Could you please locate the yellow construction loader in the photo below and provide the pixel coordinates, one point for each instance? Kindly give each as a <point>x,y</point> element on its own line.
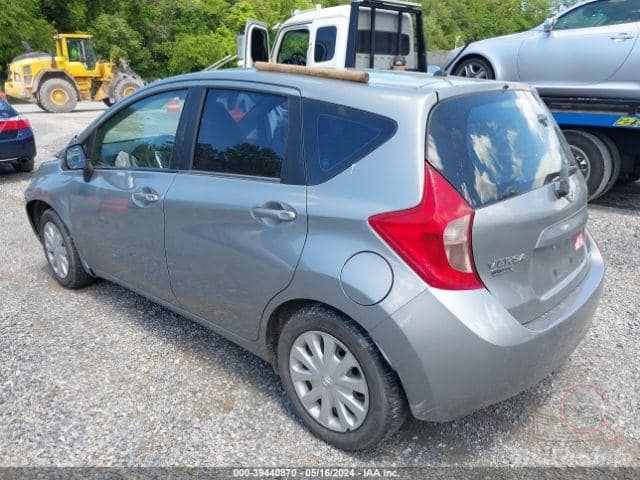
<point>57,82</point>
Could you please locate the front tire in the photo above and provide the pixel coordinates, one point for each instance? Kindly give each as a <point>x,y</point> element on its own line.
<point>337,380</point>
<point>125,87</point>
<point>61,253</point>
<point>475,67</point>
<point>57,95</point>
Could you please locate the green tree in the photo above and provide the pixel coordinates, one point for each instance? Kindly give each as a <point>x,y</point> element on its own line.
<point>114,38</point>
<point>191,52</point>
<point>22,20</point>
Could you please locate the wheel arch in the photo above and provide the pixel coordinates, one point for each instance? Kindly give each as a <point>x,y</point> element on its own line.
<point>45,75</point>
<point>468,56</point>
<point>286,310</point>
<point>279,316</point>
<point>35,209</point>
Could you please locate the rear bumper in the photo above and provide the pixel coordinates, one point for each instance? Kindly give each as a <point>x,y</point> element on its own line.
<point>456,352</point>
<point>18,148</point>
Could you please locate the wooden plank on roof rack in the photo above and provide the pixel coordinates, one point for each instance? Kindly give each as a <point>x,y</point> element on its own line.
<point>347,75</point>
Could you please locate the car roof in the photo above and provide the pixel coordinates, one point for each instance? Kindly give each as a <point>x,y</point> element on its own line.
<point>306,16</point>
<point>315,14</point>
<point>412,84</point>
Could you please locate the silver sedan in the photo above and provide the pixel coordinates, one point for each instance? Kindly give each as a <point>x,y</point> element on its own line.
<point>591,49</point>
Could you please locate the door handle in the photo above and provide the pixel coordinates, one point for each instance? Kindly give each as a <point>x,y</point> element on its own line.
<point>145,196</point>
<point>277,213</point>
<point>621,37</point>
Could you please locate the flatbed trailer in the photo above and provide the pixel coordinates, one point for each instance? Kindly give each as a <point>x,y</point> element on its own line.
<point>604,136</point>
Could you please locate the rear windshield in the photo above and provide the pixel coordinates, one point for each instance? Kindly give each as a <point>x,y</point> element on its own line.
<point>6,110</point>
<point>495,145</point>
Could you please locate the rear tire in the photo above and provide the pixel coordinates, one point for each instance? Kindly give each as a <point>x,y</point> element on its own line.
<point>616,161</point>
<point>594,159</point>
<point>57,95</point>
<point>24,165</point>
<point>383,403</point>
<point>61,253</point>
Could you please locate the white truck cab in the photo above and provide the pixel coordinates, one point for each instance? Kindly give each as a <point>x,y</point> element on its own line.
<point>341,37</point>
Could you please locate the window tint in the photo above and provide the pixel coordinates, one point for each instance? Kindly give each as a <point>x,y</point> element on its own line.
<point>294,47</point>
<point>142,135</point>
<point>325,46</point>
<point>385,42</point>
<point>242,133</point>
<point>337,137</point>
<point>491,146</point>
<point>598,14</point>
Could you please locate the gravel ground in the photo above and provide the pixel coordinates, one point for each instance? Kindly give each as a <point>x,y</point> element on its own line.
<point>104,377</point>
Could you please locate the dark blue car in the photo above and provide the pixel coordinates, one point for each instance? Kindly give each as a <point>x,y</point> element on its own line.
<point>17,145</point>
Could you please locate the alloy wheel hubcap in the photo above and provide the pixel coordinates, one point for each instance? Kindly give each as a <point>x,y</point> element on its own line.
<point>56,250</point>
<point>59,96</point>
<point>128,91</point>
<point>329,381</point>
<point>473,70</point>
<point>582,161</point>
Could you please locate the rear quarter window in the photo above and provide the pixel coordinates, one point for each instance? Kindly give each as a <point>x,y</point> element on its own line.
<point>495,145</point>
<point>336,137</point>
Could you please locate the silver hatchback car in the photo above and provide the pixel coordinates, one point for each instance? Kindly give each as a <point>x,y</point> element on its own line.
<point>400,244</point>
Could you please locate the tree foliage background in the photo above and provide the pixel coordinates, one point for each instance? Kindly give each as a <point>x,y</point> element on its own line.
<point>163,37</point>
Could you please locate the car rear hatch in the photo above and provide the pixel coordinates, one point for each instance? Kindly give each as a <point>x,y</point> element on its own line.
<point>8,121</point>
<point>504,153</point>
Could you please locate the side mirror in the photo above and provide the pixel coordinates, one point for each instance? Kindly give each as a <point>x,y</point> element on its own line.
<point>75,159</point>
<point>548,25</point>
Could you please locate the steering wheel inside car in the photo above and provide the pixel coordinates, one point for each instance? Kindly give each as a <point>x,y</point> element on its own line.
<point>146,156</point>
<point>296,59</point>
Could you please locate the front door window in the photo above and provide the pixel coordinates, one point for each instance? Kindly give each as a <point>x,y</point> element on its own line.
<point>142,135</point>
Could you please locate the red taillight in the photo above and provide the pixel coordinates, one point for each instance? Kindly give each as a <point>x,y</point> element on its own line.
<point>434,238</point>
<point>17,123</point>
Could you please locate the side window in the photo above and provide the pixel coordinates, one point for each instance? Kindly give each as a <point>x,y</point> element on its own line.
<point>294,47</point>
<point>242,133</point>
<point>336,137</point>
<point>142,135</point>
<point>259,45</point>
<point>385,42</point>
<point>600,14</point>
<point>325,46</point>
<point>74,48</point>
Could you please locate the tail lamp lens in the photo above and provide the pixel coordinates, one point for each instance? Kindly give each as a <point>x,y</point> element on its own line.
<point>16,123</point>
<point>434,238</point>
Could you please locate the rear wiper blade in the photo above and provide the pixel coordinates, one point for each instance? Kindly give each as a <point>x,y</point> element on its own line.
<point>564,172</point>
